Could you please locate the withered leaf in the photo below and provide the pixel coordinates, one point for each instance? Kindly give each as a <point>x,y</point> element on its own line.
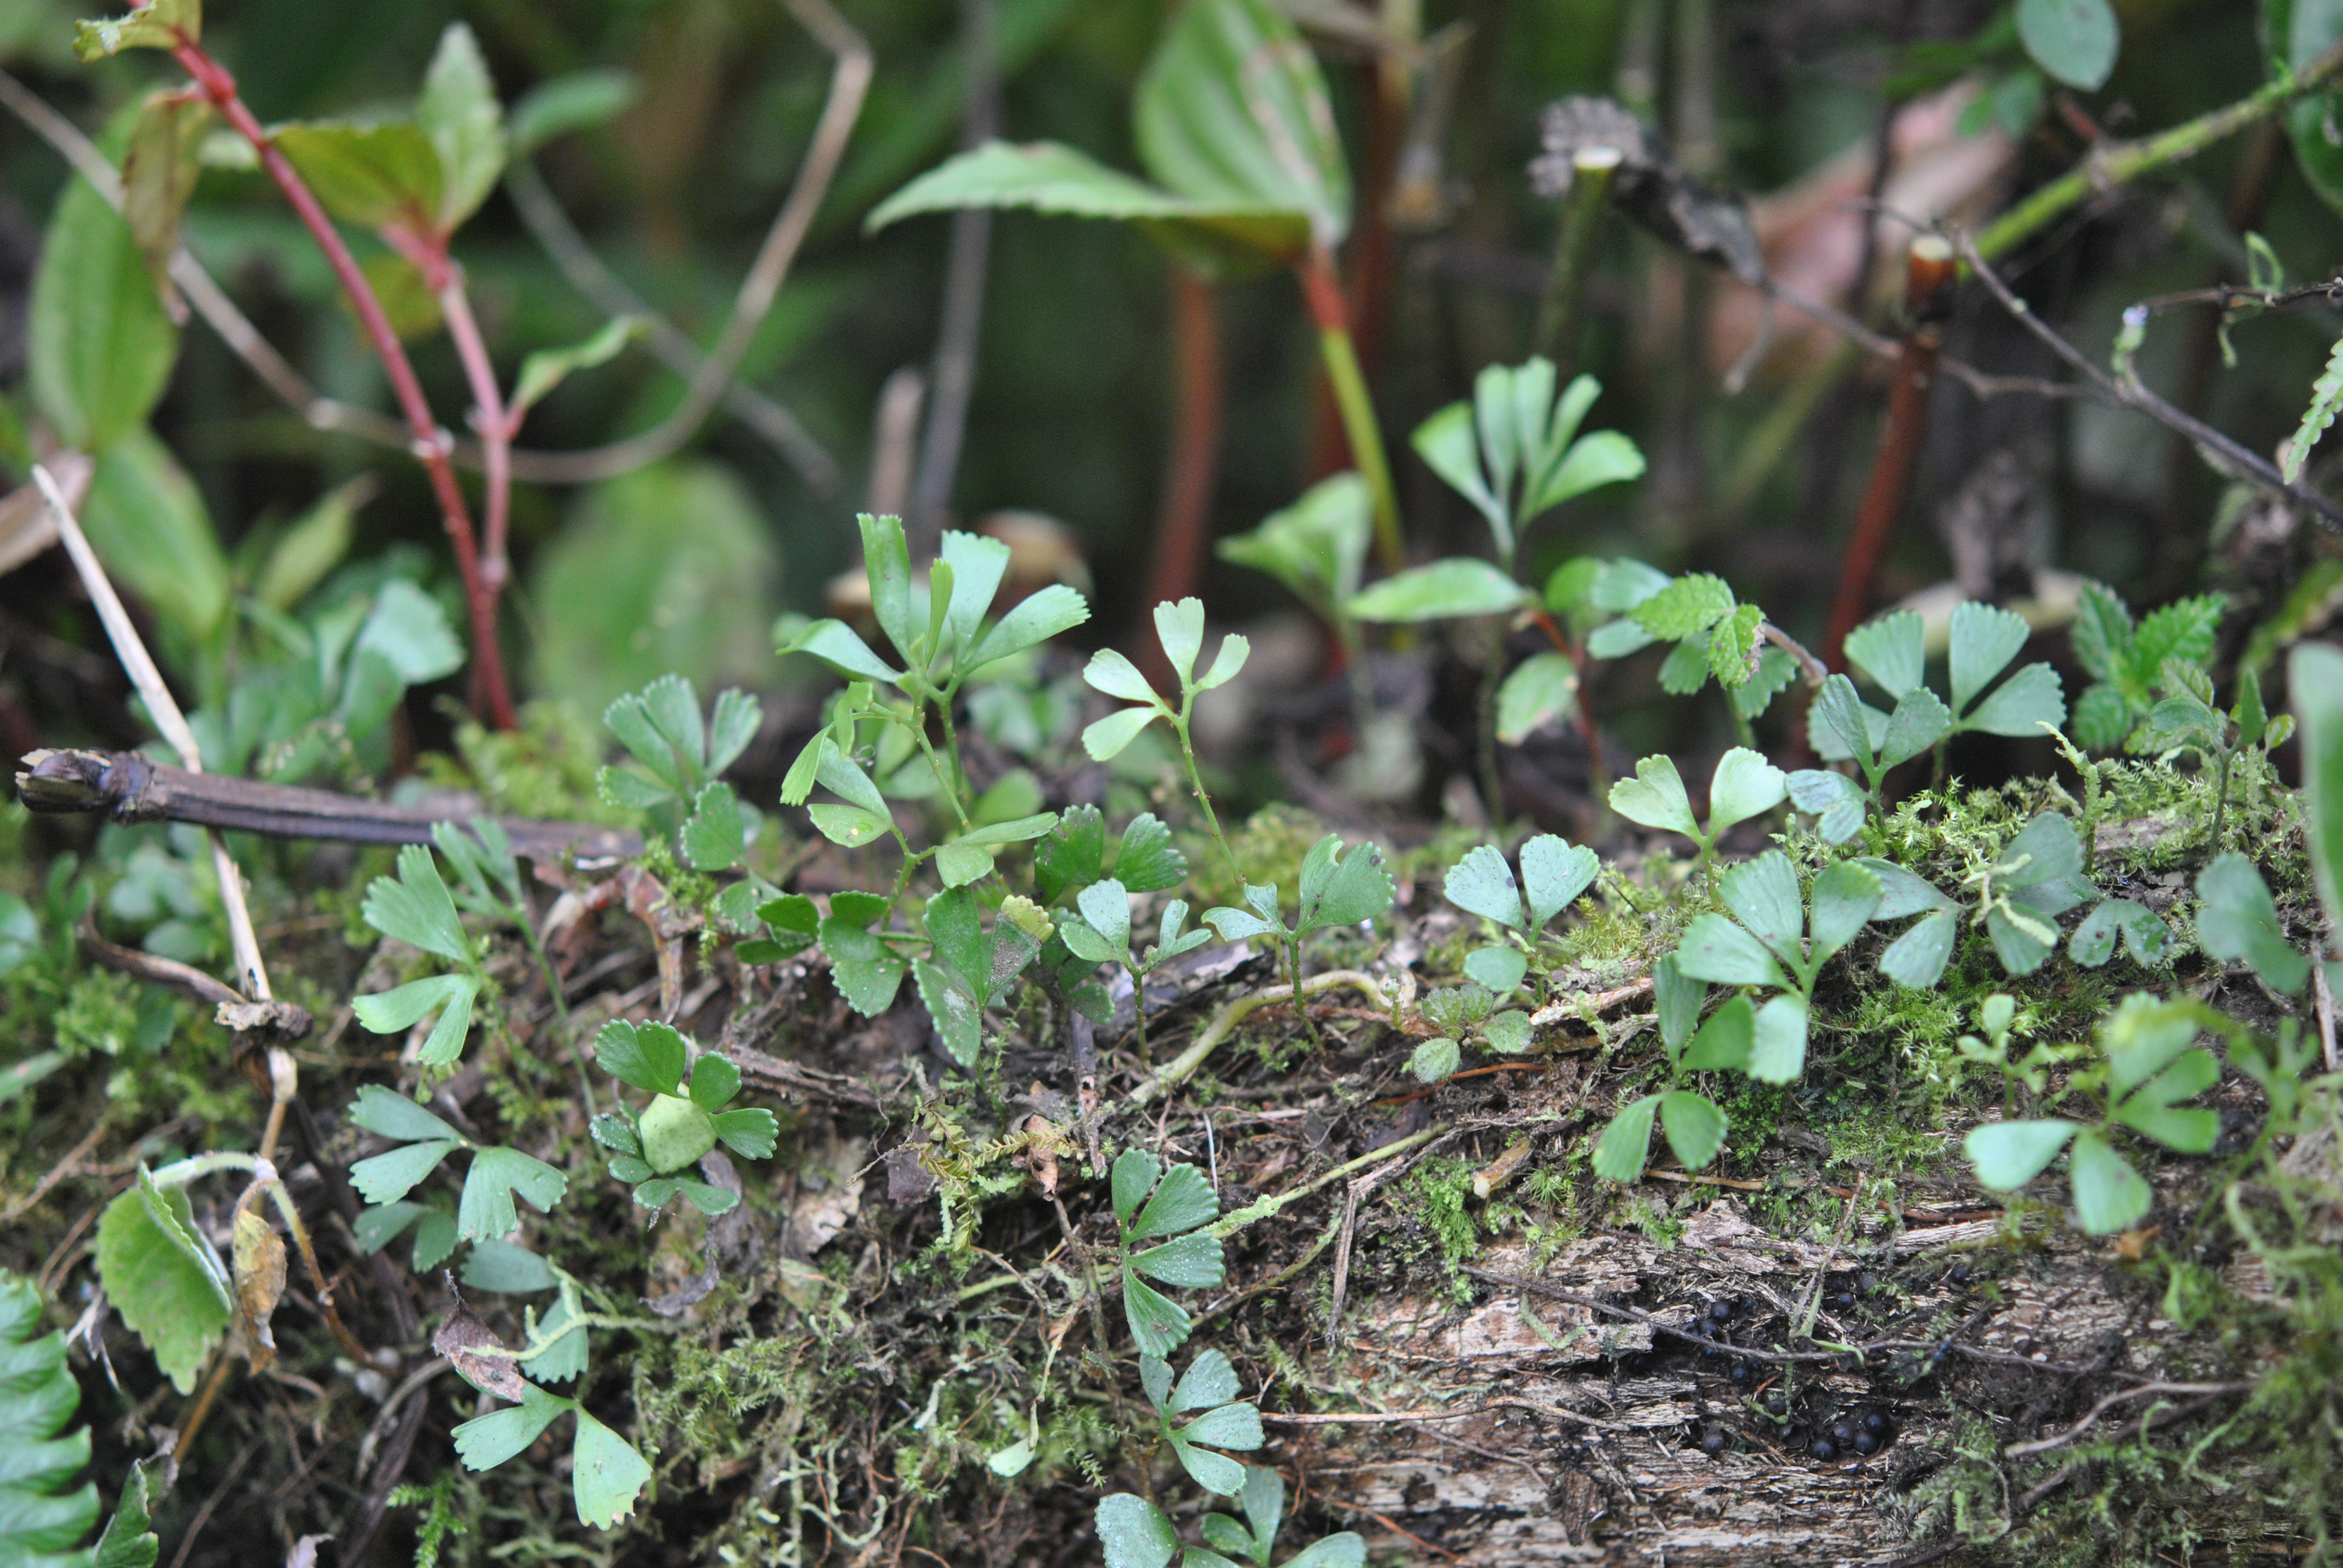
<point>462,1338</point>
<point>1651,186</point>
<point>257,1255</point>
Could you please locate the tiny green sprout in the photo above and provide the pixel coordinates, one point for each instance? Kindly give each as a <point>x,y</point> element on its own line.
<point>1337,888</point>
<point>1180,629</point>
<point>2150,1063</point>
<point>1998,1016</point>
<point>1695,1126</point>
<point>1207,1395</point>
<point>1101,934</point>
<point>1555,873</point>
<point>1891,652</point>
<point>1770,943</point>
<point>684,1121</point>
<point>1744,786</point>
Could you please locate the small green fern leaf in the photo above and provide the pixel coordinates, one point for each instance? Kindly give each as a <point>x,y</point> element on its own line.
<point>42,1515</point>
<point>2326,400</point>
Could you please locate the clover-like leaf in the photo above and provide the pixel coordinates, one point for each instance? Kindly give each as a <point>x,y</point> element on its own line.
<point>1656,797</point>
<point>650,1057</point>
<point>1341,888</point>
<point>1777,1053</point>
<point>2236,921</point>
<point>485,1209</point>
<point>2007,1155</point>
<point>417,908</point>
<point>1695,1126</point>
<point>1619,1154</point>
<point>2109,1196</point>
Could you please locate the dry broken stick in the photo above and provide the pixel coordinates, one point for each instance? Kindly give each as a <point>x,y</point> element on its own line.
<point>130,788</point>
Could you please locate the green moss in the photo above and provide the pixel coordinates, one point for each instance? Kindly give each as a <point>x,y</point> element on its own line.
<point>1442,1194</point>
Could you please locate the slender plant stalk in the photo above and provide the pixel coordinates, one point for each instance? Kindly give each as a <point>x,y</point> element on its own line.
<point>1322,288</point>
<point>1928,276</point>
<point>2121,162</point>
<point>432,444</point>
<point>490,418</point>
<point>1493,675</point>
<point>1590,171</point>
<point>1196,782</point>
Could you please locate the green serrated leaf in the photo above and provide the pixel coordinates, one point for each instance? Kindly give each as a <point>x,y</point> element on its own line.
<point>162,1279</point>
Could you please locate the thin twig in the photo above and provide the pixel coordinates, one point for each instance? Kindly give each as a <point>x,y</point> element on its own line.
<point>163,710</point>
<point>2235,457</point>
<point>1178,1071</point>
<point>2121,1396</point>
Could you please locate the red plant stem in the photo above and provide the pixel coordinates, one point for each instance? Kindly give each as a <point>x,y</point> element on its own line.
<point>432,444</point>
<point>495,428</point>
<point>1321,290</point>
<point>1928,276</point>
<point>1183,526</point>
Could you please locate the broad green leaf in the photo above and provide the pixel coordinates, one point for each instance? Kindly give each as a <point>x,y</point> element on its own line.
<point>1317,546</point>
<point>147,521</point>
<point>2102,632</point>
<point>370,175</point>
<point>1734,651</point>
<point>506,1268</point>
<point>486,1210</point>
<point>1621,585</point>
<point>1263,1500</point>
<point>1106,739</point>
<point>1179,628</point>
<point>2183,629</point>
<point>1015,831</point>
<point>960,864</point>
<point>2007,1155</point>
<point>1763,895</point>
<point>395,1010</point>
<point>1917,957</point>
<point>1158,1324</point>
<point>716,835</point>
<point>1715,949</point>
<point>1542,689</point>
<point>1130,1181</point>
<point>1778,1052</point>
<point>1676,1001</point>
<point>1619,1152</point>
<point>2109,1196</point>
<point>2027,701</point>
<point>1835,801</point>
<point>851,826</point>
<point>576,102</point>
<point>1215,1472</point>
<point>1132,1532</point>
<point>2145,936</point>
<point>751,1133</point>
<point>417,909</point>
<point>714,1081</point>
<point>1229,1426</point>
<point>1233,109</point>
<point>1689,604</point>
<point>1442,591</point>
<point>162,1279</point>
<point>1744,784</point>
<point>2045,854</point>
<point>1227,661</point>
<point>836,645</point>
<point>388,1177</point>
<point>1892,650</point>
<point>158,175</point>
<point>1695,1126</point>
<point>1347,1550</point>
<point>1181,1203</point>
<point>1147,860</point>
<point>1846,897</point>
<point>1919,721</point>
<point>2023,942</point>
<point>1193,1261</point>
<point>488,1441</point>
<point>2154,1109</point>
<point>648,1056</point>
<point>1037,618</point>
<point>129,1540</point>
<point>408,630</point>
<point>1985,638</point>
<point>158,25</point>
<point>1686,668</point>
<point>887,565</point>
<point>1433,1061</point>
<point>2236,921</point>
<point>459,113</point>
<point>2315,687</point>
<point>1840,725</point>
<point>1508,1033</point>
<point>1655,798</point>
<point>1554,874</point>
<point>867,972</point>
<point>1445,442</point>
<point>1052,178</point>
<point>1595,459</point>
<point>606,1474</point>
<point>393,1115</point>
<point>1105,906</point>
<point>1111,672</point>
<point>1072,853</point>
<point>1341,888</point>
<point>845,778</point>
<point>1617,639</point>
<point>98,344</point>
<point>1500,968</point>
<point>1723,1041</point>
<point>545,368</point>
<point>1483,884</point>
<point>2075,41</point>
<point>1774,673</point>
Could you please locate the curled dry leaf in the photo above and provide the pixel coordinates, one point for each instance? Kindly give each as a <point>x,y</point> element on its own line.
<point>1501,1169</point>
<point>259,1256</point>
<point>463,1339</point>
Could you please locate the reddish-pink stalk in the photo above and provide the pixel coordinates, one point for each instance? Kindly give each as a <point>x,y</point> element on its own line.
<point>496,428</point>
<point>432,444</point>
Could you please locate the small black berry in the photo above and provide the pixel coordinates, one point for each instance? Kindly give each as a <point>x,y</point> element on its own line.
<point>1720,1310</point>
<point>1823,1449</point>
<point>1740,1372</point>
<point>1869,1283</point>
<point>1875,1424</point>
<point>1960,1274</point>
<point>1712,1442</point>
<point>1843,1434</point>
<point>1867,1444</point>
